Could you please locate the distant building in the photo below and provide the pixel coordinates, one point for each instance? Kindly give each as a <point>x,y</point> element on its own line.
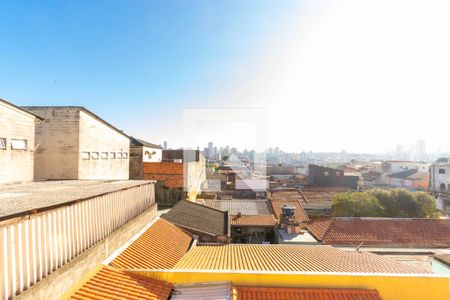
<point>165,145</point>
<point>181,174</point>
<point>17,144</point>
<point>440,177</point>
<point>74,143</point>
<point>142,152</point>
<point>409,179</point>
<point>328,177</point>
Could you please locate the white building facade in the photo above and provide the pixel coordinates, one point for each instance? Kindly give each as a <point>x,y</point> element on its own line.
<point>17,143</point>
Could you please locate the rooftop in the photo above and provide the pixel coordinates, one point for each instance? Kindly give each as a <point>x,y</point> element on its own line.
<point>403,174</point>
<point>243,206</point>
<point>159,247</point>
<point>206,290</point>
<point>268,293</point>
<point>109,283</point>
<point>287,195</point>
<point>138,142</point>
<point>289,258</point>
<point>300,214</point>
<point>294,238</point>
<point>253,221</point>
<point>20,198</point>
<point>198,217</point>
<point>443,258</point>
<point>389,232</point>
<point>20,109</point>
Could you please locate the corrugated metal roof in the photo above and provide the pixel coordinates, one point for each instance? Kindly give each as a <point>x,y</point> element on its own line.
<point>200,291</point>
<point>390,232</point>
<point>110,283</point>
<point>160,247</point>
<point>243,206</point>
<point>291,258</point>
<point>267,293</point>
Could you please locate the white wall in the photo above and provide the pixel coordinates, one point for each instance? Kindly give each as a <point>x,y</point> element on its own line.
<point>437,179</point>
<point>95,136</point>
<point>156,157</point>
<point>56,143</point>
<point>16,165</point>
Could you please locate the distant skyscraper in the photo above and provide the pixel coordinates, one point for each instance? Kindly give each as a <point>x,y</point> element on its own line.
<point>421,150</point>
<point>165,145</point>
<point>210,150</point>
<point>399,152</point>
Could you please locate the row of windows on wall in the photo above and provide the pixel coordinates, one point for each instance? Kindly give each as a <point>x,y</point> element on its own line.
<point>16,144</point>
<point>104,155</point>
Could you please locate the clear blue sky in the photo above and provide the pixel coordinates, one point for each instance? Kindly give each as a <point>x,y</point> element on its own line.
<point>126,58</point>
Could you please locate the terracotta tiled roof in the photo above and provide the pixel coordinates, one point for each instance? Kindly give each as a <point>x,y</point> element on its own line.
<point>287,195</point>
<point>318,229</point>
<point>267,293</point>
<point>198,217</point>
<point>300,214</point>
<point>257,221</point>
<point>160,247</point>
<point>293,258</point>
<point>397,232</point>
<point>321,195</point>
<point>110,283</point>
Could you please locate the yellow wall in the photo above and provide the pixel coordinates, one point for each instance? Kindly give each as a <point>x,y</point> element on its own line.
<point>389,287</point>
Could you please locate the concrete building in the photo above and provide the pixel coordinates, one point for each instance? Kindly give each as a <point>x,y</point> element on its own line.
<point>74,143</point>
<point>329,177</point>
<point>142,152</point>
<point>440,177</point>
<point>17,127</point>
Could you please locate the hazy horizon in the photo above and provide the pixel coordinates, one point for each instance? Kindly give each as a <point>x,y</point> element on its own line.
<point>329,76</point>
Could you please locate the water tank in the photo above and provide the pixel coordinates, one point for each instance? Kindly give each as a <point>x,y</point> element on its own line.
<point>288,210</point>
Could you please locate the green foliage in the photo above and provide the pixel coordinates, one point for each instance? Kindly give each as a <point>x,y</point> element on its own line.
<point>384,203</point>
<point>354,204</point>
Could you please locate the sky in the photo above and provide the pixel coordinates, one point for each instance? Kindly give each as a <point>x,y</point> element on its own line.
<point>360,76</point>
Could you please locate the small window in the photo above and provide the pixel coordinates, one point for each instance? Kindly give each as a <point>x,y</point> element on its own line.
<point>95,155</point>
<point>86,155</point>
<point>119,155</point>
<point>104,155</point>
<point>19,144</point>
<point>112,155</point>
<point>2,143</point>
<point>125,155</point>
<point>326,173</point>
<point>441,171</point>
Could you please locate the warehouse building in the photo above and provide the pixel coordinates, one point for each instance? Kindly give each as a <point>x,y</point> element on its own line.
<point>74,143</point>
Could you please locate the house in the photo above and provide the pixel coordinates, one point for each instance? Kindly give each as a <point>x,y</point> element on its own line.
<point>181,173</point>
<point>409,179</point>
<point>17,143</point>
<point>142,152</point>
<point>251,220</point>
<point>440,177</point>
<point>74,143</point>
<point>209,224</point>
<point>329,177</point>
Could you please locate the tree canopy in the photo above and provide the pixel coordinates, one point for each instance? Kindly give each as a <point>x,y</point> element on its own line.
<point>384,203</point>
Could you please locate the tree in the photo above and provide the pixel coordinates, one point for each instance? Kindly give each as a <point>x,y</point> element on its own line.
<point>426,203</point>
<point>393,203</point>
<point>356,204</point>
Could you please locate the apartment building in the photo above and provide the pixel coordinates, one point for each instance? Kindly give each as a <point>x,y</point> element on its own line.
<point>17,127</point>
<point>74,143</point>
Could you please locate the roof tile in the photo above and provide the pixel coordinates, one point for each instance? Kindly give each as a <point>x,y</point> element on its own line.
<point>267,293</point>
<point>110,283</point>
<point>293,258</point>
<point>160,247</point>
<point>390,232</point>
